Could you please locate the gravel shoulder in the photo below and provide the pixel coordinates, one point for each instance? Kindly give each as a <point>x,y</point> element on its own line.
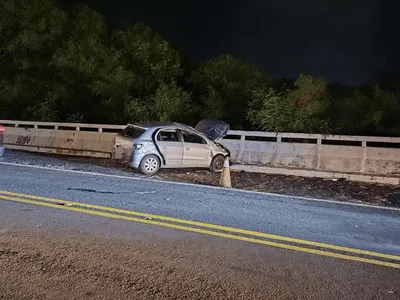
<point>342,190</point>
<point>94,258</point>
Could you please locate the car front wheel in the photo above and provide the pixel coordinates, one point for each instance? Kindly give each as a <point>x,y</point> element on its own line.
<point>150,164</point>
<point>217,163</point>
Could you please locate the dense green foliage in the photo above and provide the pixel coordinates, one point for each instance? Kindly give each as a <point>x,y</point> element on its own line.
<point>58,65</point>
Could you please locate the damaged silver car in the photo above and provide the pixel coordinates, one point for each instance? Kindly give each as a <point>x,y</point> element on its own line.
<point>149,147</point>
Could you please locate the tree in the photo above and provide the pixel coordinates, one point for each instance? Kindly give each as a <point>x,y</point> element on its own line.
<point>149,56</point>
<point>372,111</point>
<point>309,102</point>
<point>338,94</point>
<point>28,29</point>
<point>169,103</point>
<point>29,32</point>
<point>222,88</point>
<point>300,109</point>
<point>269,110</point>
<point>155,65</point>
<point>68,66</point>
<point>96,75</point>
<point>172,103</point>
<point>389,80</point>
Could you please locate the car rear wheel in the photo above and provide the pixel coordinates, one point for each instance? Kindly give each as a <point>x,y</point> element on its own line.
<point>150,164</point>
<point>217,163</point>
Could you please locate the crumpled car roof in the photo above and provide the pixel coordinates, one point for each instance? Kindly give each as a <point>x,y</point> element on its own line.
<point>212,129</point>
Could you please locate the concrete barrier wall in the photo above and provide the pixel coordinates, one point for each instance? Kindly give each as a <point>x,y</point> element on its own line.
<point>89,140</point>
<point>334,153</point>
<point>351,154</point>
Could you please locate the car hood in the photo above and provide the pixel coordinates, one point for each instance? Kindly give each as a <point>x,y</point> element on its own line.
<point>215,130</point>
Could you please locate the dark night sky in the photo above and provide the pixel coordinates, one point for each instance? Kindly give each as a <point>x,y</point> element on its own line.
<point>346,41</point>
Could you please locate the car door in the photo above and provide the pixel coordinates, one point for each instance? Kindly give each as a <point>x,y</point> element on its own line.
<point>170,145</point>
<point>196,151</point>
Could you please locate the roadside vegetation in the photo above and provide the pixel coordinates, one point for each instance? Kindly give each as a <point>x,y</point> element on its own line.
<point>67,65</point>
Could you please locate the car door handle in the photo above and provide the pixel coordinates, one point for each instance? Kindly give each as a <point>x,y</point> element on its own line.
<point>187,148</point>
<point>163,147</point>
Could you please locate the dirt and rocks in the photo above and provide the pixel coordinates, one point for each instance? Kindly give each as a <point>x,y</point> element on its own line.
<point>37,264</point>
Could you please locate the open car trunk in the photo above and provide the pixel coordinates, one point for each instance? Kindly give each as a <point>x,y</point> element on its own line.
<point>215,130</point>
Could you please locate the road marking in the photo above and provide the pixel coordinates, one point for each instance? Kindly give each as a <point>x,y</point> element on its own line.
<point>201,224</point>
<point>343,203</point>
<point>143,193</point>
<point>71,206</point>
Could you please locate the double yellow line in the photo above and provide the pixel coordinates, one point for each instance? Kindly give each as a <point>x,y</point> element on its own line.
<point>211,229</point>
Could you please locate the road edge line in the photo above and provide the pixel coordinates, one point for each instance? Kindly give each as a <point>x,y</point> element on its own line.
<point>207,186</point>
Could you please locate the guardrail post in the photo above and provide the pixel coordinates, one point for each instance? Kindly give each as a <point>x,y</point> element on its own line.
<point>364,156</point>
<point>319,150</point>
<point>241,148</point>
<point>278,148</point>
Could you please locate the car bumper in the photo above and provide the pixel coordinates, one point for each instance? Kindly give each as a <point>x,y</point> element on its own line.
<point>136,158</point>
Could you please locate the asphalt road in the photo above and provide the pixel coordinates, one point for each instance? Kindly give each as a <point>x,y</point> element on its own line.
<point>362,227</point>
<point>340,224</point>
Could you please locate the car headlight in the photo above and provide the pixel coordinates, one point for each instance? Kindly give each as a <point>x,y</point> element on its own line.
<point>137,146</point>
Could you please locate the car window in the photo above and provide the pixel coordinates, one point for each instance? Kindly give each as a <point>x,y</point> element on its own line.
<point>132,132</point>
<point>193,138</point>
<point>168,136</point>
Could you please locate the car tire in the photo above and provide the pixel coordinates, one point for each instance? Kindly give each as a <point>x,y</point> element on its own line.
<point>150,164</point>
<point>217,163</point>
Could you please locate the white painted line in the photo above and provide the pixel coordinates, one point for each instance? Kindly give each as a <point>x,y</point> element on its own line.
<point>202,186</point>
<point>143,193</point>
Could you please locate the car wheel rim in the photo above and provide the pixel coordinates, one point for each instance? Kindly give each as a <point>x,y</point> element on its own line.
<point>150,164</point>
<point>219,164</point>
